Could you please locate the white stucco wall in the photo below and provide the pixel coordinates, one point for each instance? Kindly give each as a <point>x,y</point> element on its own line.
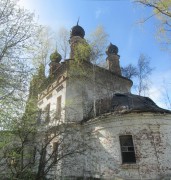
<point>74,100</point>
<point>59,89</point>
<point>84,84</point>
<point>151,132</point>
<point>87,84</point>
<point>152,141</point>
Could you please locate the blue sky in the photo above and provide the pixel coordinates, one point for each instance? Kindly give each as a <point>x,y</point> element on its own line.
<point>119,18</point>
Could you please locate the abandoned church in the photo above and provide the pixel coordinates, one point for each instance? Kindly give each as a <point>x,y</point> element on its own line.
<point>126,136</point>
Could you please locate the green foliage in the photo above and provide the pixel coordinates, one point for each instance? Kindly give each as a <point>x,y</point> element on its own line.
<point>98,40</point>
<point>17,30</point>
<point>82,52</point>
<point>55,57</point>
<point>14,76</point>
<point>161,9</point>
<point>31,110</point>
<point>17,33</point>
<point>18,144</point>
<point>37,81</point>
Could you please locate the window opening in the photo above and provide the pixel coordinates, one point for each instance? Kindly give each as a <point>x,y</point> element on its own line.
<point>127,149</point>
<point>55,150</point>
<point>47,112</point>
<point>59,101</point>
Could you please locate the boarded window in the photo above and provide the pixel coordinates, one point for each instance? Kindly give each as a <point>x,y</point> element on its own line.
<point>127,149</point>
<point>47,113</point>
<point>59,101</point>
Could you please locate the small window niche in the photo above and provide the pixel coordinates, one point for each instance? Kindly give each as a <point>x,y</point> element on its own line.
<point>127,149</point>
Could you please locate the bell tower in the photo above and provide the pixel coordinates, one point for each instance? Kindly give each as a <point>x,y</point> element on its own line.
<point>54,64</point>
<point>113,59</point>
<point>79,44</point>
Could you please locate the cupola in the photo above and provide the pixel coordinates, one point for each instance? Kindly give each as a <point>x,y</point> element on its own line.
<point>54,64</point>
<point>76,37</point>
<point>113,59</point>
<point>112,49</point>
<point>77,31</point>
<point>55,57</point>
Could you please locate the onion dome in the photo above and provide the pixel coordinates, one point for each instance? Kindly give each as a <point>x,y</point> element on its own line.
<point>77,31</point>
<point>111,49</point>
<point>55,57</point>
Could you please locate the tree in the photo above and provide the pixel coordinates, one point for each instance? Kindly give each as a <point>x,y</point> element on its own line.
<point>56,146</point>
<point>166,95</point>
<point>161,10</point>
<point>17,33</point>
<point>34,147</point>
<point>62,42</point>
<point>13,90</point>
<point>34,151</point>
<point>143,72</point>
<point>98,40</point>
<point>21,128</point>
<point>159,7</point>
<point>44,45</point>
<point>140,73</point>
<point>129,71</point>
<point>47,42</point>
<point>17,30</point>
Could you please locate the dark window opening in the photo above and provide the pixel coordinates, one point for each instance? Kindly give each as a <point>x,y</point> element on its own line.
<point>39,117</point>
<point>47,111</point>
<point>55,150</point>
<point>127,149</point>
<point>59,100</point>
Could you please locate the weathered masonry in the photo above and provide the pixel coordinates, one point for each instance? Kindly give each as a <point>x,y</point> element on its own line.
<point>129,135</point>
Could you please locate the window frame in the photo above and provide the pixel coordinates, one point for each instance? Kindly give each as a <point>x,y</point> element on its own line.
<point>128,149</point>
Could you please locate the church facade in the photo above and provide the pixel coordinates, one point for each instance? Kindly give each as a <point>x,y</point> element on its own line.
<point>129,135</point>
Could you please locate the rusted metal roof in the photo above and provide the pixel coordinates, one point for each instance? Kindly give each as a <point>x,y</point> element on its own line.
<point>135,103</point>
